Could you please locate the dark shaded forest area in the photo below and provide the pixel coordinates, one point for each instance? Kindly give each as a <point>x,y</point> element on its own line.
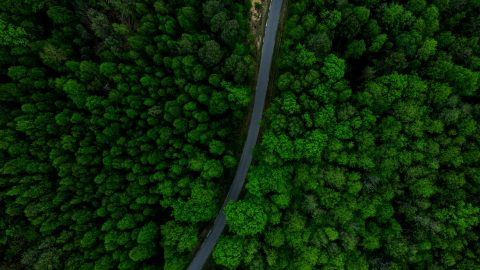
<point>118,122</point>
<point>370,157</point>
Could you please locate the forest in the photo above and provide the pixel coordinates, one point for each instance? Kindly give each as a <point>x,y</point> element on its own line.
<point>121,126</point>
<point>370,153</point>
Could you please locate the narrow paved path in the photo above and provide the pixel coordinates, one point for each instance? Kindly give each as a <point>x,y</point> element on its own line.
<point>260,94</point>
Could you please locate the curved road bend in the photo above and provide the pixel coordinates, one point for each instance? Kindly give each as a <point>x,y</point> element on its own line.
<point>260,94</point>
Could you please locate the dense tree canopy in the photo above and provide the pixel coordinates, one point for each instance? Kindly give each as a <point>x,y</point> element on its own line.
<point>118,124</point>
<point>120,121</point>
<point>370,154</point>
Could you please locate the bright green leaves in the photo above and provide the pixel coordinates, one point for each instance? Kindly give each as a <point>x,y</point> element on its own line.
<point>181,238</point>
<point>331,233</point>
<point>379,141</point>
<point>368,156</point>
<point>463,216</point>
<point>76,92</point>
<point>147,233</point>
<point>289,103</point>
<point>89,239</point>
<point>335,177</point>
<point>88,70</point>
<point>284,81</point>
<point>216,147</point>
<point>279,144</point>
<point>379,95</point>
<point>142,252</point>
<point>196,163</point>
<point>315,142</point>
<point>108,69</point>
<point>343,131</point>
<point>237,95</point>
<point>137,42</point>
<point>395,16</point>
<point>104,263</point>
<point>229,161</point>
<point>371,242</point>
<point>275,237</point>
<point>229,252</point>
<point>333,67</point>
<point>12,35</point>
<point>378,43</point>
<point>325,117</point>
<point>362,14</point>
<point>201,206</point>
<point>127,222</point>
<point>428,49</point>
<point>465,80</point>
<point>212,169</point>
<point>310,147</point>
<point>305,57</point>
<point>245,217</point>
<point>423,188</point>
<point>331,18</point>
<point>262,180</point>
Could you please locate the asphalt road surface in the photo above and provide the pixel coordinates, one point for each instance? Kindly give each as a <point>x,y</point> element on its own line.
<point>260,94</point>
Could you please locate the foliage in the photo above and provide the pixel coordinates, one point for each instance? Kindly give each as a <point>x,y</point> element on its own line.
<point>369,157</point>
<point>245,218</point>
<point>118,128</point>
<point>228,252</point>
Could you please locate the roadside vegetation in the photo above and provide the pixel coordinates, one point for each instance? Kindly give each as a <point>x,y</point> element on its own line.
<point>370,158</point>
<point>118,121</point>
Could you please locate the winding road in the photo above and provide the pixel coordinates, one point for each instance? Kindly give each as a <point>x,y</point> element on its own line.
<point>268,47</point>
